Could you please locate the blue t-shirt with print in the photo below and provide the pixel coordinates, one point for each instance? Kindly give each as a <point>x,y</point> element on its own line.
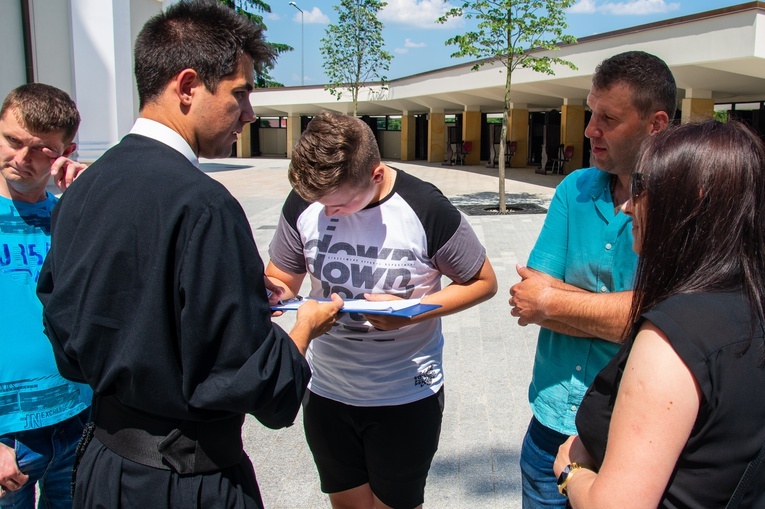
<point>32,393</point>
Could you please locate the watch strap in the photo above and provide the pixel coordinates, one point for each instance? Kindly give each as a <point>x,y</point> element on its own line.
<point>565,477</point>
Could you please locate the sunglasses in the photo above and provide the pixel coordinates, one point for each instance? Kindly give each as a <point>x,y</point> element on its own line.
<point>637,185</point>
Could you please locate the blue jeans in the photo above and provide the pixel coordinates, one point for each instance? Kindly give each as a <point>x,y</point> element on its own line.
<point>46,455</point>
<point>540,486</point>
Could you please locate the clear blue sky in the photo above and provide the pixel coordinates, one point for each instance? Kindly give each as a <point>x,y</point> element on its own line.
<point>417,42</point>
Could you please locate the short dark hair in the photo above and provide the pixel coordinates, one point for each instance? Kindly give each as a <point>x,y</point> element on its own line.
<point>334,150</point>
<point>704,227</point>
<point>43,109</point>
<point>203,35</point>
<point>653,86</point>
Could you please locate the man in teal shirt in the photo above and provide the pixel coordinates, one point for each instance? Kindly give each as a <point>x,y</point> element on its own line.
<point>41,414</point>
<point>580,272</point>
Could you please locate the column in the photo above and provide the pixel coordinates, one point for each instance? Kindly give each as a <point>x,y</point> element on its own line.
<point>471,131</point>
<point>697,105</point>
<point>572,131</point>
<point>408,133</point>
<point>103,78</point>
<point>244,142</point>
<point>518,131</point>
<point>436,136</point>
<point>14,66</point>
<point>293,132</point>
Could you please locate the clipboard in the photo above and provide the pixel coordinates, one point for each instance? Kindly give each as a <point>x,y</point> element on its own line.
<point>407,312</point>
<point>405,308</point>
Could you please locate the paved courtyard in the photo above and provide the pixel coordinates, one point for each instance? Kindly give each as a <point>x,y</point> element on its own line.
<point>487,359</point>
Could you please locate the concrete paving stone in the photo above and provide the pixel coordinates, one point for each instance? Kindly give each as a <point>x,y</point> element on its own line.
<point>478,487</point>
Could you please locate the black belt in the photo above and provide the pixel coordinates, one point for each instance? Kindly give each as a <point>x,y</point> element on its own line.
<point>186,447</point>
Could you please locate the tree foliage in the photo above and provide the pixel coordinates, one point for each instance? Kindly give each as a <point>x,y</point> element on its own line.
<point>353,49</point>
<point>246,8</point>
<point>512,33</point>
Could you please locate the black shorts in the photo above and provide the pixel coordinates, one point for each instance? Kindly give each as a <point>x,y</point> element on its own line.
<point>389,447</point>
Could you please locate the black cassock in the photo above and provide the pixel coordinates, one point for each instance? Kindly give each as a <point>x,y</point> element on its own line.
<point>154,296</point>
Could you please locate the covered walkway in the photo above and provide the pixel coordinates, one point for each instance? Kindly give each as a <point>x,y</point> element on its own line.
<point>717,57</point>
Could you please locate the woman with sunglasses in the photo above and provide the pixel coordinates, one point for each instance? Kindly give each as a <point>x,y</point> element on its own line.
<point>678,415</point>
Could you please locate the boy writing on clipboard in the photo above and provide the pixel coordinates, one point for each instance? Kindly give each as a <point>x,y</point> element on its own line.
<point>362,229</point>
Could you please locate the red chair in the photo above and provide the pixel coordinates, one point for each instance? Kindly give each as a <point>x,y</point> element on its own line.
<point>451,154</point>
<point>564,156</point>
<point>463,150</point>
<point>510,149</point>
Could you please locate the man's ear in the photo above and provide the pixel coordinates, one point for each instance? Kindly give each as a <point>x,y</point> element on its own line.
<point>69,150</point>
<point>378,174</point>
<point>660,122</point>
<point>184,85</point>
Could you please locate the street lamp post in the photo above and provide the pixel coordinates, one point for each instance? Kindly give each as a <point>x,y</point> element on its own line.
<point>302,44</point>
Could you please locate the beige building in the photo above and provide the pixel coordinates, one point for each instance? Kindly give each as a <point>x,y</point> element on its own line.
<point>85,48</point>
<point>717,57</point>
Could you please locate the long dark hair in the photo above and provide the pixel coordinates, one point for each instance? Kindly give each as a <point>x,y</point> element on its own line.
<point>703,215</point>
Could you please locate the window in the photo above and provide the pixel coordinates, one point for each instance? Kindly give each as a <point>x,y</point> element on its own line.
<point>388,122</point>
<point>748,112</point>
<point>746,106</point>
<point>494,118</point>
<point>278,122</point>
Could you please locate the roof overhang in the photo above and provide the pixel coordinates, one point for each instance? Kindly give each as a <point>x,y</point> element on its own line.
<point>718,54</point>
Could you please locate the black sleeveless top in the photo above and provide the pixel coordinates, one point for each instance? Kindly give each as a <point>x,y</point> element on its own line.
<point>710,332</point>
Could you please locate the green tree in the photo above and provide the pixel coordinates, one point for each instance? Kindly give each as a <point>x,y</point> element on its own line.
<point>245,8</point>
<point>511,32</point>
<point>721,115</point>
<point>353,49</point>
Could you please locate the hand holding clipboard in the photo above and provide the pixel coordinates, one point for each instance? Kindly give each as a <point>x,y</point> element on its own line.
<point>401,307</point>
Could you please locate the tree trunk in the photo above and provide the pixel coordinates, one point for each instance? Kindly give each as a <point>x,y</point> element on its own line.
<point>503,141</point>
<point>501,165</point>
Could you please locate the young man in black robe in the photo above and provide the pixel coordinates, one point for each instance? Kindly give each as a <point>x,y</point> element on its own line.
<point>154,290</point>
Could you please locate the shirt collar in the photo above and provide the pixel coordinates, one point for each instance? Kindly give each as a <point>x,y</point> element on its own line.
<point>601,186</point>
<point>600,192</point>
<point>163,134</point>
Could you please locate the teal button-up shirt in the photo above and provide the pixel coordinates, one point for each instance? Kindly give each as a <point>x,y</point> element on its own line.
<point>585,244</point>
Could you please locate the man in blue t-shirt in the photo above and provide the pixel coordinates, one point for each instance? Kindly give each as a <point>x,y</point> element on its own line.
<point>578,282</point>
<point>41,414</point>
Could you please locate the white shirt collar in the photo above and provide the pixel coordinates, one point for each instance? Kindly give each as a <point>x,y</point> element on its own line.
<point>163,134</point>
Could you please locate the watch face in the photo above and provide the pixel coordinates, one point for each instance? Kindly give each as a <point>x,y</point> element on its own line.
<point>564,473</point>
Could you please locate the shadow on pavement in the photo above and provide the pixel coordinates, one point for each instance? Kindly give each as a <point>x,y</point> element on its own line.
<point>216,167</point>
<point>504,463</point>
